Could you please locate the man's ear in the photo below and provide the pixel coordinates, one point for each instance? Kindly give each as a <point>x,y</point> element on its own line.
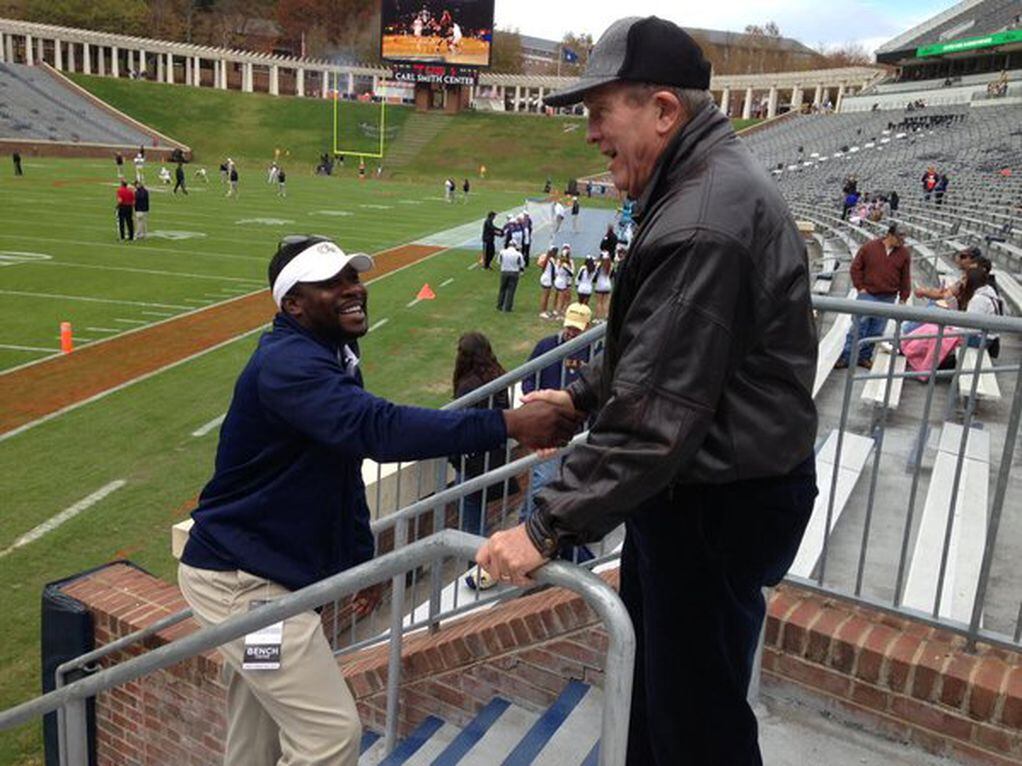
<point>670,111</point>
<point>292,304</point>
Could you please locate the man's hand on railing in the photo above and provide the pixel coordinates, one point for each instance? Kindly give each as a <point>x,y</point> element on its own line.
<point>367,599</point>
<point>541,424</point>
<point>509,556</point>
<point>553,396</point>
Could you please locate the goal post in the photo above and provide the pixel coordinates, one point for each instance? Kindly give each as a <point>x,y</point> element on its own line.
<point>345,145</point>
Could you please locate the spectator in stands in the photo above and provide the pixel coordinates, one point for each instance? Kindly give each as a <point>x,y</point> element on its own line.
<point>286,505</point>
<point>16,159</point>
<point>555,377</point>
<point>511,267</point>
<point>940,189</point>
<point>978,296</point>
<point>895,200</point>
<point>474,366</point>
<point>126,211</point>
<point>702,444</point>
<point>547,263</point>
<point>929,182</point>
<point>490,233</point>
<point>882,273</point>
<point>850,201</point>
<point>141,210</point>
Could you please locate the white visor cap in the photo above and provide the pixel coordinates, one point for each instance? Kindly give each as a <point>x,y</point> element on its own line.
<point>317,263</point>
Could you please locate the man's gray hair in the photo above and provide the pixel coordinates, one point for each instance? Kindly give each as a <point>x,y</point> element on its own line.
<point>693,100</point>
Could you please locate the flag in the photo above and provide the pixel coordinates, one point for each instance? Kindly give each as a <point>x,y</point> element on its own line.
<point>569,56</point>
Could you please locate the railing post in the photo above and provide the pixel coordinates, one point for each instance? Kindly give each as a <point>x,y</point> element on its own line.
<point>397,609</point>
<point>76,733</point>
<point>436,584</point>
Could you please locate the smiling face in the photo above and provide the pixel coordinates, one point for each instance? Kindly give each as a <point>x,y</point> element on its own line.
<point>335,309</point>
<point>631,128</point>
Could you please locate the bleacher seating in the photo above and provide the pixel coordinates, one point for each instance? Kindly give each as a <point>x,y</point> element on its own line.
<point>36,106</point>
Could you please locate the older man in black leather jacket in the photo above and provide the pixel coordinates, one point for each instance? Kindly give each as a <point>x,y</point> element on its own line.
<point>703,438</point>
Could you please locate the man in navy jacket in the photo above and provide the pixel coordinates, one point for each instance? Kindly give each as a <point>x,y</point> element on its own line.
<point>286,505</point>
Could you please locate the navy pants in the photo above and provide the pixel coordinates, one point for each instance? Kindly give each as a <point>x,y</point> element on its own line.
<point>694,561</point>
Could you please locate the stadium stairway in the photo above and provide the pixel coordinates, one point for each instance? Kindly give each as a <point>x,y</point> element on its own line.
<point>565,734</point>
<point>419,129</point>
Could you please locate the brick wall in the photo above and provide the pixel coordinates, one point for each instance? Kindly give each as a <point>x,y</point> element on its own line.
<point>893,675</point>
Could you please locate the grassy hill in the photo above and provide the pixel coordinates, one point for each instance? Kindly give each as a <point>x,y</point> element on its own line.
<point>516,149</point>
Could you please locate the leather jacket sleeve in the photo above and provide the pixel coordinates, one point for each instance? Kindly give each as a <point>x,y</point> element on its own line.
<point>677,349</point>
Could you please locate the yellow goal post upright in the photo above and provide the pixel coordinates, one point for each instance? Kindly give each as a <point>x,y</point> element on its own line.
<point>338,150</point>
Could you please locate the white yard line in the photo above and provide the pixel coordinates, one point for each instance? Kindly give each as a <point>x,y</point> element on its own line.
<point>66,515</point>
<point>157,313</point>
<point>412,303</point>
<point>104,329</point>
<point>77,339</point>
<point>26,348</point>
<point>475,265</point>
<point>153,272</point>
<point>60,296</point>
<point>446,282</point>
<point>379,324</point>
<point>132,321</point>
<point>214,423</point>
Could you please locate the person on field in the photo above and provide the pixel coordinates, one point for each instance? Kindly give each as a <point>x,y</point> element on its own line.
<point>179,179</point>
<point>564,277</point>
<point>16,159</point>
<point>602,286</point>
<point>547,263</point>
<point>703,438</point>
<point>139,163</point>
<point>286,506</point>
<point>141,211</point>
<point>126,211</point>
<point>281,183</point>
<point>511,266</point>
<point>232,184</point>
<point>490,233</point>
<point>585,280</point>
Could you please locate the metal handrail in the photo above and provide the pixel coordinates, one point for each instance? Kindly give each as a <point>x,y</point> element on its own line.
<point>446,544</point>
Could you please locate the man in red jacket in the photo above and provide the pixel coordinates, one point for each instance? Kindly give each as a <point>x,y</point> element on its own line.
<point>126,210</point>
<point>882,273</point>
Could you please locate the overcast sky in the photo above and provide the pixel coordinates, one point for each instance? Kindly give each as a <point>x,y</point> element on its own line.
<point>869,22</point>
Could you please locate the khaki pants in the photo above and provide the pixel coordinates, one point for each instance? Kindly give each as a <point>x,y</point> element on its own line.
<point>302,714</point>
<point>141,224</point>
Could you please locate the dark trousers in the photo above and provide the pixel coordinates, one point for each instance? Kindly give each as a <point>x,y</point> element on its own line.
<point>694,562</point>
<point>489,250</point>
<point>506,295</point>
<point>125,218</point>
<point>180,184</point>
<point>526,251</point>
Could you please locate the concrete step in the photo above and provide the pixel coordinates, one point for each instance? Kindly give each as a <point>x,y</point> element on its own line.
<point>568,728</point>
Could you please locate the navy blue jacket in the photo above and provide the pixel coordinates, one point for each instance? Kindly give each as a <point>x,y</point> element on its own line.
<point>550,376</point>
<point>286,501</point>
<point>142,200</point>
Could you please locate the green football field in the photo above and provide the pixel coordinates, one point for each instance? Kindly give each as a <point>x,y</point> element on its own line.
<point>60,260</point>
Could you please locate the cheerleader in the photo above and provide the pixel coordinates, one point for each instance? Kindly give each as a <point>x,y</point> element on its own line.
<point>584,280</point>
<point>603,285</point>
<point>547,263</point>
<point>564,275</point>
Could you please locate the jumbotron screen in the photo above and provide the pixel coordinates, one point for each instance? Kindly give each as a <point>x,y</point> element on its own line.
<point>437,31</point>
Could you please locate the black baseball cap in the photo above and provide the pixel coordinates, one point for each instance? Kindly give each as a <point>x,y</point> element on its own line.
<point>638,49</point>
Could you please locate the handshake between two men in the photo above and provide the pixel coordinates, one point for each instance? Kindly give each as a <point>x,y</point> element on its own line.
<point>547,420</point>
